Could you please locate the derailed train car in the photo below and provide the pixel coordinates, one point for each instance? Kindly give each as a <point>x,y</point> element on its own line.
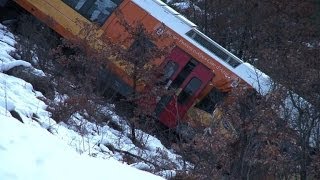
<point>198,68</point>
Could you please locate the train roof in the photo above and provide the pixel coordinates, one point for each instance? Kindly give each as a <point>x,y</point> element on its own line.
<point>187,29</point>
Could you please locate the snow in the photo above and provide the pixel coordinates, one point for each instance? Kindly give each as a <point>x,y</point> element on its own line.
<point>183,5</point>
<point>41,148</point>
<point>8,66</point>
<point>28,152</point>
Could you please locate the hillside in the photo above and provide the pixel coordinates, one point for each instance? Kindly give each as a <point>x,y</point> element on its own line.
<point>65,100</point>
<point>35,146</point>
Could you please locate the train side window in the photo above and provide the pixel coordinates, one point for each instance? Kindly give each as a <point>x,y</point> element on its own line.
<point>170,68</point>
<point>193,85</point>
<point>187,69</point>
<point>213,47</point>
<point>94,10</point>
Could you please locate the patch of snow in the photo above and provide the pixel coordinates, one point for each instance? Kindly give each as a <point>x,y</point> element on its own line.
<point>6,36</point>
<point>168,174</point>
<point>6,103</point>
<point>29,152</point>
<point>142,166</point>
<point>6,67</point>
<point>182,5</point>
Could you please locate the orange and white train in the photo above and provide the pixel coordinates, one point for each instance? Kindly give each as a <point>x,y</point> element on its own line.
<point>197,67</point>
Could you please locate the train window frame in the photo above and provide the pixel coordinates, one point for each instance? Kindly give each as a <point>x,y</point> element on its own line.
<point>94,12</point>
<point>185,95</point>
<point>174,66</point>
<point>214,48</point>
<point>184,73</point>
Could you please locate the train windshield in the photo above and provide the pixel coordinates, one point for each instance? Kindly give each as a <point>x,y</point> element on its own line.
<point>94,10</point>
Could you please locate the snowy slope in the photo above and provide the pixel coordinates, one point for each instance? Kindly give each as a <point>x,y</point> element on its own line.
<point>40,148</point>
<point>29,152</point>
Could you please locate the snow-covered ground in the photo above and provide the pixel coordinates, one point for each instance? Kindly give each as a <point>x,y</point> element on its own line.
<point>29,152</point>
<point>40,148</point>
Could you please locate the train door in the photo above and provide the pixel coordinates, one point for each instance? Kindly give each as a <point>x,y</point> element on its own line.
<point>188,77</point>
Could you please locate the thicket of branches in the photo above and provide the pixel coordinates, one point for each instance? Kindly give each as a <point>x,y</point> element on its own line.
<point>276,136</point>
